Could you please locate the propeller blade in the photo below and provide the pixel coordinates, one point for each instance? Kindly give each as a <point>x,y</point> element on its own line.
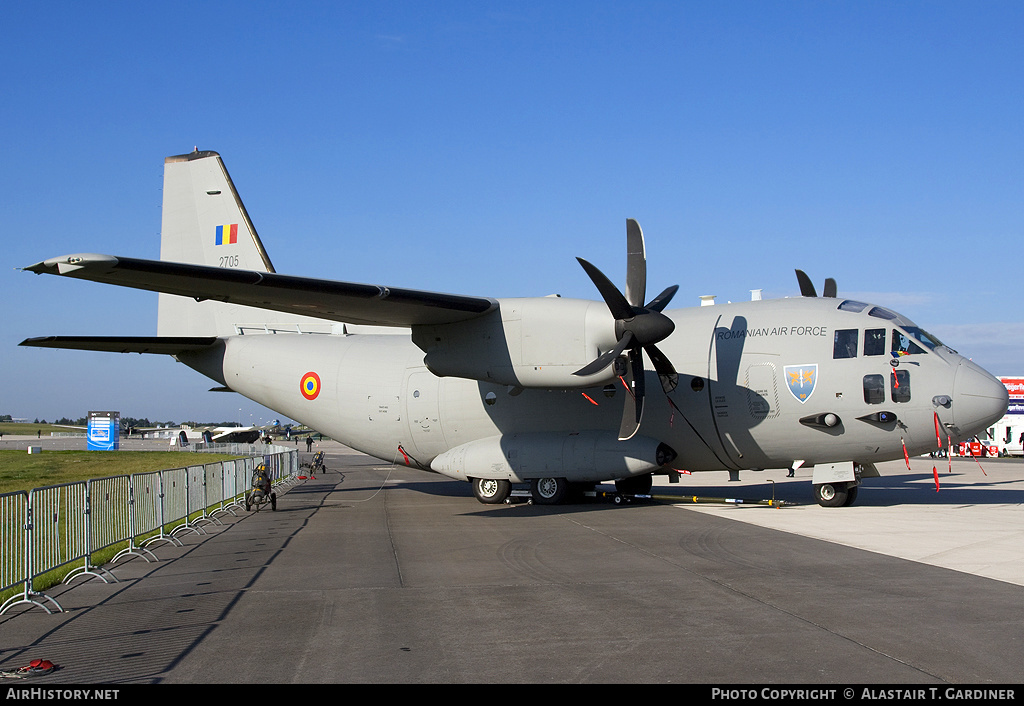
<point>617,303</point>
<point>606,358</point>
<point>666,371</point>
<point>661,301</point>
<point>638,327</point>
<point>636,264</point>
<point>830,288</point>
<point>633,407</point>
<point>806,287</point>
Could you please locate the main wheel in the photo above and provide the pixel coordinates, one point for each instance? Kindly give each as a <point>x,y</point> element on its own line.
<point>490,491</point>
<point>831,494</point>
<point>548,491</point>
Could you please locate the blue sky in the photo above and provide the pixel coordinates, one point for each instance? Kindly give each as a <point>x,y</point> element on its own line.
<point>479,147</point>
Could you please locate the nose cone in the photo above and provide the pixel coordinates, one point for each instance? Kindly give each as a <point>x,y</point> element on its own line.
<point>979,399</point>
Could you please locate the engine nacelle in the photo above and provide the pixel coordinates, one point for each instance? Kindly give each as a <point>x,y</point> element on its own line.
<point>586,456</point>
<point>536,342</point>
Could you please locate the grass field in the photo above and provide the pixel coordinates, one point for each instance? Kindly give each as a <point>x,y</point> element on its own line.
<point>23,471</point>
<point>19,429</point>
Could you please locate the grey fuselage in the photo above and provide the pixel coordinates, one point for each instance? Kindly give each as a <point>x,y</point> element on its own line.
<point>743,369</point>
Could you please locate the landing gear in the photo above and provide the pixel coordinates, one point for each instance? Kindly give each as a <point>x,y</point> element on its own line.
<point>490,491</point>
<point>851,494</point>
<point>548,491</point>
<point>835,494</point>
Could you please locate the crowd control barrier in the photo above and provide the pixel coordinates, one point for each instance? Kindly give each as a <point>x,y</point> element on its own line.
<point>59,528</point>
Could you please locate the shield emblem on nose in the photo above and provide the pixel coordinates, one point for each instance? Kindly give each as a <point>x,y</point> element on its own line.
<point>801,379</point>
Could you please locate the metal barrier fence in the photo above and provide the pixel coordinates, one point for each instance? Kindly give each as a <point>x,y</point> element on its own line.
<point>60,527</point>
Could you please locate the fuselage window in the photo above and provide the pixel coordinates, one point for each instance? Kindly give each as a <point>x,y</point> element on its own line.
<point>845,343</point>
<point>874,389</point>
<point>903,345</point>
<point>874,341</point>
<point>900,386</point>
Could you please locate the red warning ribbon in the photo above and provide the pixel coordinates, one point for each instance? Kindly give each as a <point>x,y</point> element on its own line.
<point>630,391</point>
<point>935,472</point>
<point>404,455</point>
<point>905,452</point>
<point>938,437</point>
<point>590,399</point>
<point>971,452</point>
<point>672,416</point>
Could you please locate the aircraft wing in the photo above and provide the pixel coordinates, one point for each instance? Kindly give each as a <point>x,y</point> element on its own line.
<point>324,299</point>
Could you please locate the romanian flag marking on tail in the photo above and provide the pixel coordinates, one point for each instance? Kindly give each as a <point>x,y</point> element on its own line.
<point>227,235</point>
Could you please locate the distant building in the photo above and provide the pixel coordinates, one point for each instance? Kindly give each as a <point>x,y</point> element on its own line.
<point>1006,432</point>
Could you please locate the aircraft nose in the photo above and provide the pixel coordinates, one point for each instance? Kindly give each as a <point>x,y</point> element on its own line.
<point>979,399</point>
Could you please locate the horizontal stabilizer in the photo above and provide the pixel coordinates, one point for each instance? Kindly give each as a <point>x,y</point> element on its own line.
<point>164,345</point>
<point>322,299</point>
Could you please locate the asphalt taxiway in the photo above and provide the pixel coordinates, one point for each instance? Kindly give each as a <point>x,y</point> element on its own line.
<point>372,573</point>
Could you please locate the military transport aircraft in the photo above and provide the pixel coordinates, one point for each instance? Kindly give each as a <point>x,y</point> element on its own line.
<point>550,391</point>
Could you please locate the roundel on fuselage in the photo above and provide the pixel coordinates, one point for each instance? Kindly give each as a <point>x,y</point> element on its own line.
<point>310,385</point>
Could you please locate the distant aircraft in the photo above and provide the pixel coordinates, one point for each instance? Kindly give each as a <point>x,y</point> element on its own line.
<point>186,433</point>
<point>222,435</point>
<point>216,435</point>
<point>548,391</point>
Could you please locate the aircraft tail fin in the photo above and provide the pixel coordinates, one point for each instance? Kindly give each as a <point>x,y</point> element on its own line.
<point>205,223</point>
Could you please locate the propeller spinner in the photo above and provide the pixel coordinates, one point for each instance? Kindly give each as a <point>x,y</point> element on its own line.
<point>637,328</point>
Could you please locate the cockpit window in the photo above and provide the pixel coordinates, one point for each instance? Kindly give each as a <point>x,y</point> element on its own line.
<point>900,385</point>
<point>874,341</point>
<point>845,344</point>
<point>903,345</point>
<point>925,338</point>
<point>882,313</point>
<point>851,305</point>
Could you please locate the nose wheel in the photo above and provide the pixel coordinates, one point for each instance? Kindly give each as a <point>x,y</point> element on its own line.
<point>835,494</point>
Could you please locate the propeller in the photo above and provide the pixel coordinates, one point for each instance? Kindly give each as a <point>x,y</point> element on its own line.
<point>807,288</point>
<point>637,328</point>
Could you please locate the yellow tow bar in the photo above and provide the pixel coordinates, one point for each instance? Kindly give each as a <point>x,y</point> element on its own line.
<point>619,498</point>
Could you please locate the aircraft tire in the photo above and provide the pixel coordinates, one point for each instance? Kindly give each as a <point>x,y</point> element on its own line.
<point>548,491</point>
<point>831,494</point>
<point>635,485</point>
<point>851,494</point>
<point>490,491</point>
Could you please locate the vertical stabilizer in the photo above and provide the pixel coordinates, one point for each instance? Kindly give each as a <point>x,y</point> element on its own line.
<point>204,220</point>
<point>205,223</point>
